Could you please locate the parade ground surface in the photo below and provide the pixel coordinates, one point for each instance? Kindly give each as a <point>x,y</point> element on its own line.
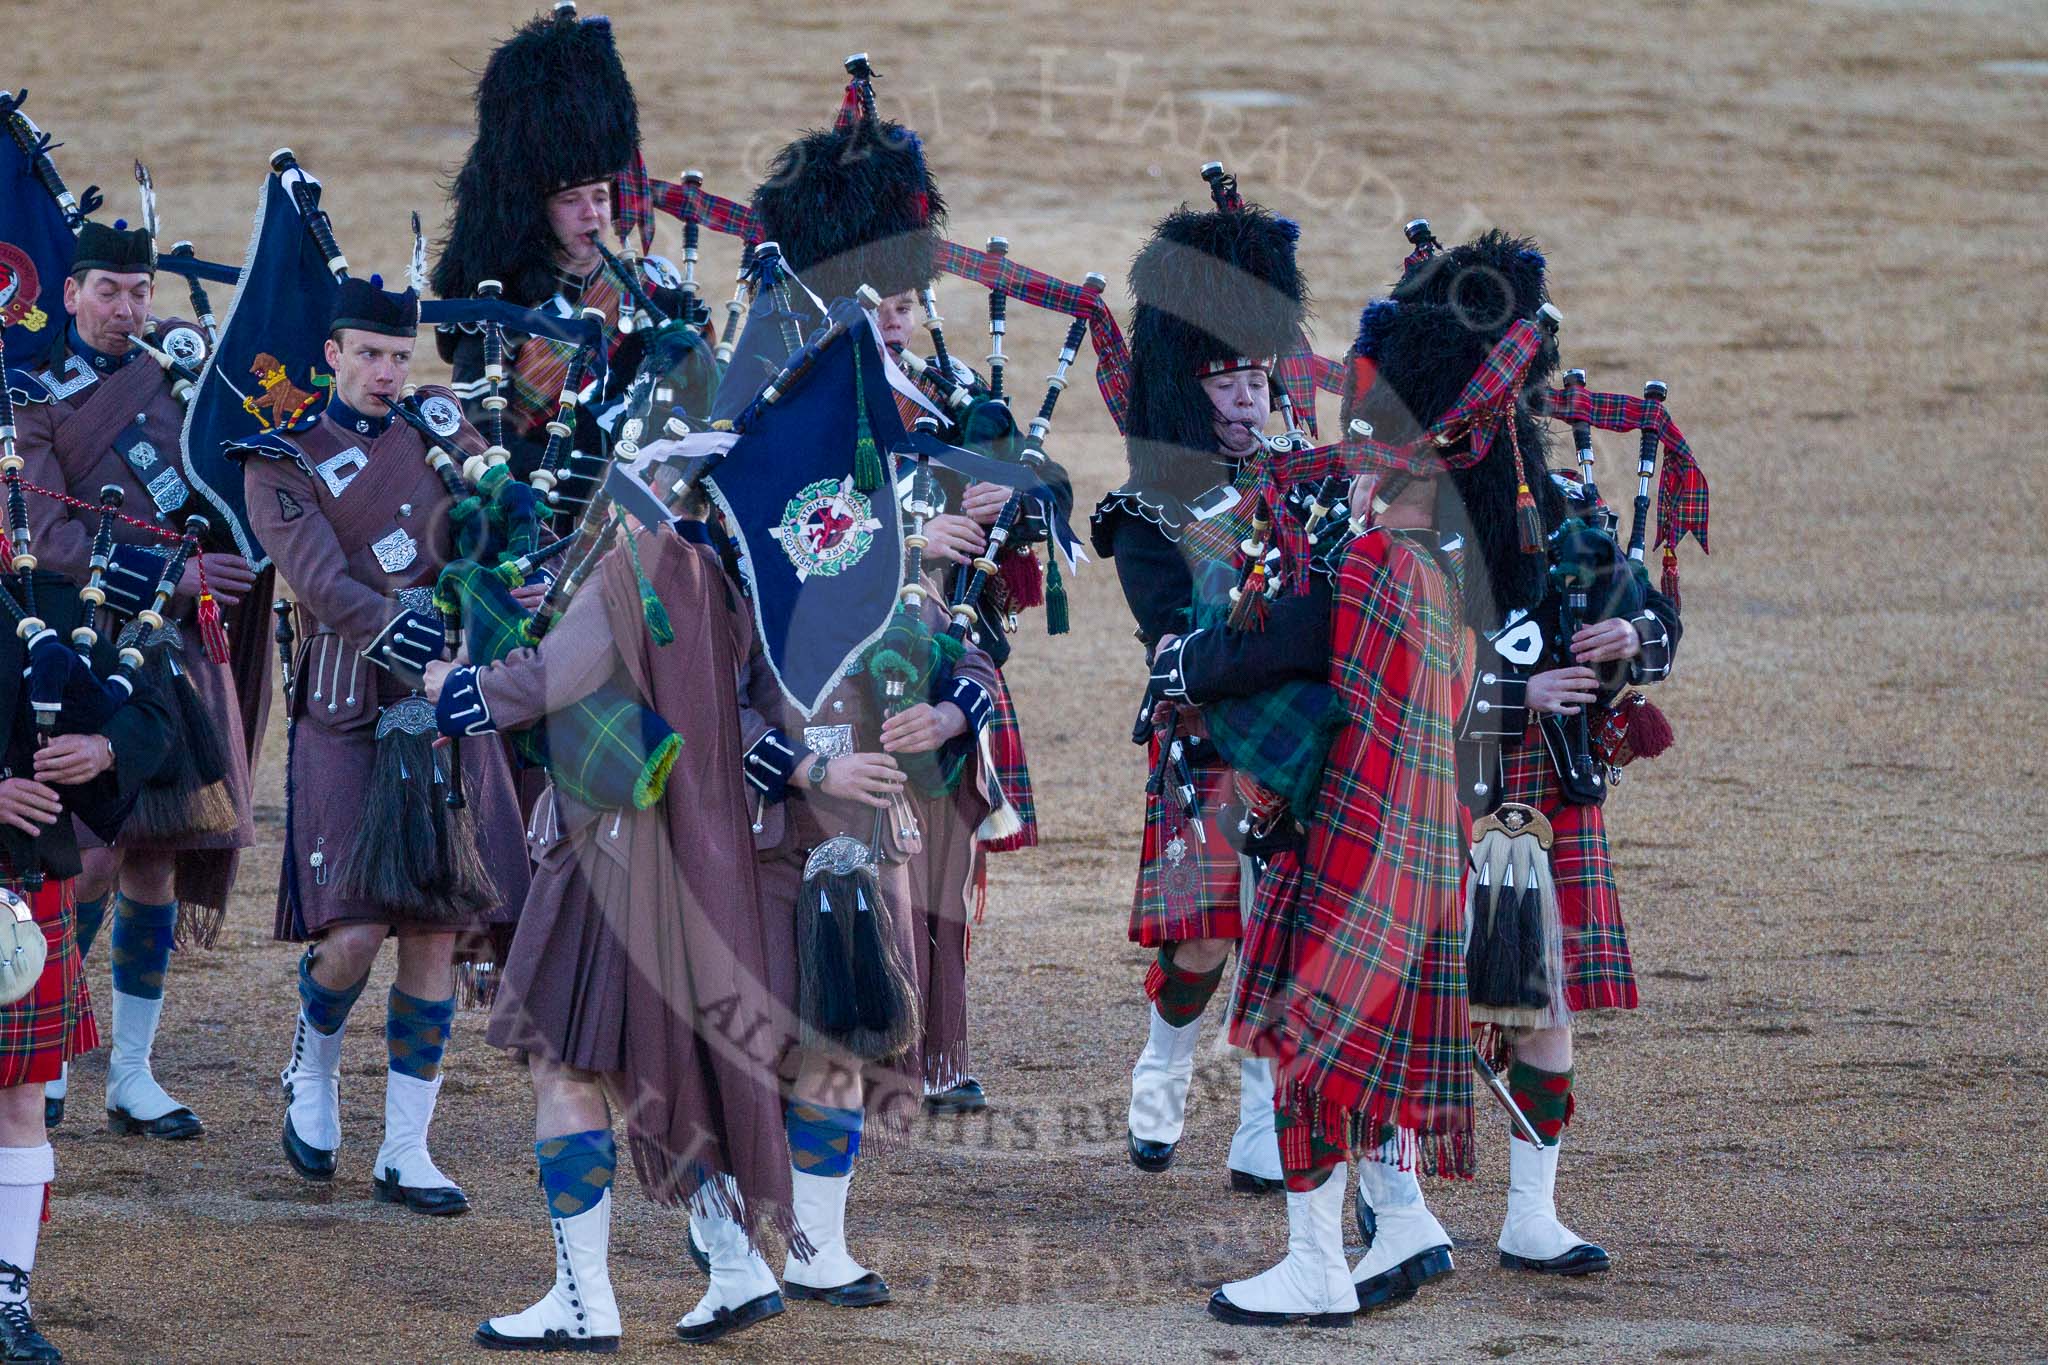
<point>1821,1136</point>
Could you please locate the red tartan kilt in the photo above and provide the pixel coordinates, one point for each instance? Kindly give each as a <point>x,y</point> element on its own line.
<point>1598,971</point>
<point>52,1023</point>
<point>1006,747</point>
<point>1195,895</point>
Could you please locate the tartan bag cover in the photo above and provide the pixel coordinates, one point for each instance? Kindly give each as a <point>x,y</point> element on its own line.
<point>1281,736</point>
<point>1353,968</point>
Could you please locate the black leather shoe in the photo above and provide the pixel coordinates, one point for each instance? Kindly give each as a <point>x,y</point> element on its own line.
<point>180,1125</point>
<point>1400,1284</point>
<point>726,1321</point>
<point>1244,1182</point>
<point>964,1098</point>
<point>1147,1155</point>
<point>1223,1310</point>
<point>1583,1259</point>
<point>53,1113</point>
<point>20,1341</point>
<point>865,1292</point>
<point>308,1160</point>
<point>445,1202</point>
<point>554,1340</point>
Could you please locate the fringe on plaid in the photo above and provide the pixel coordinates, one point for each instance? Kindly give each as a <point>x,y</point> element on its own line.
<point>198,926</point>
<point>1309,1129</point>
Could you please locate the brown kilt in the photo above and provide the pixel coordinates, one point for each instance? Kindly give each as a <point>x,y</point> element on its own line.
<point>54,1022</point>
<point>1188,887</point>
<point>1598,971</point>
<point>326,780</point>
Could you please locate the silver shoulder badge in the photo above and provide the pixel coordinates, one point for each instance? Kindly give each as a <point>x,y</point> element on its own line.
<point>443,417</point>
<point>185,345</point>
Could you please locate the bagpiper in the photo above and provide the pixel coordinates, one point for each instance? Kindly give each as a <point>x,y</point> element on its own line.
<point>536,198</point>
<point>98,411</point>
<point>376,844</point>
<point>639,974</point>
<point>949,876</point>
<point>1355,979</point>
<point>1219,299</point>
<point>1596,629</point>
<point>836,823</point>
<point>88,759</point>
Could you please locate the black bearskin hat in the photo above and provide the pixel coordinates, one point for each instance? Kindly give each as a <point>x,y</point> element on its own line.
<point>1415,353</point>
<point>854,205</point>
<point>553,109</point>
<point>1212,288</point>
<point>119,249</point>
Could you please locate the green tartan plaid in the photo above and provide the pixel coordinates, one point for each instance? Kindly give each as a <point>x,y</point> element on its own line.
<point>604,751</point>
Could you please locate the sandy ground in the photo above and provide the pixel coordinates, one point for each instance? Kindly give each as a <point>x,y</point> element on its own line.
<point>1820,222</point>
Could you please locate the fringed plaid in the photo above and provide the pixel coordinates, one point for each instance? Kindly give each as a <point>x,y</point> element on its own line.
<point>1187,883</point>
<point>1035,287</point>
<point>1353,967</point>
<point>1682,502</point>
<point>1598,972</point>
<point>54,1022</point>
<point>1006,747</point>
<point>542,364</point>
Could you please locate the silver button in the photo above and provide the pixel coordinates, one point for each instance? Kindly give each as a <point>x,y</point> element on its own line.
<point>1488,678</point>
<point>1482,707</point>
<point>1479,789</point>
<point>405,509</point>
<point>838,706</point>
<point>141,419</point>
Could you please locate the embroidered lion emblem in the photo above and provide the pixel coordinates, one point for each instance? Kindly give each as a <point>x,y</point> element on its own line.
<point>284,399</point>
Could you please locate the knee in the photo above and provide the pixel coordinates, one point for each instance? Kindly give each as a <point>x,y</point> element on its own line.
<point>1201,954</point>
<point>150,878</point>
<point>343,955</point>
<point>1546,1049</point>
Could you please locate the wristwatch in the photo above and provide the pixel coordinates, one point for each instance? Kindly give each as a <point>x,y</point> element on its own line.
<point>815,774</point>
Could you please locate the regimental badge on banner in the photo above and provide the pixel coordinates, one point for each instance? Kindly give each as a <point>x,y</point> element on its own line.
<point>826,528</point>
<point>20,288</point>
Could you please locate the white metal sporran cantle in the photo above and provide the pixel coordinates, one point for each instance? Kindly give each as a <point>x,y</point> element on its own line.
<point>24,952</point>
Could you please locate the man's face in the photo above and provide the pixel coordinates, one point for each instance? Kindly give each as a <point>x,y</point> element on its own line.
<point>575,213</point>
<point>369,369</point>
<point>1243,403</point>
<point>109,308</point>
<point>897,318</point>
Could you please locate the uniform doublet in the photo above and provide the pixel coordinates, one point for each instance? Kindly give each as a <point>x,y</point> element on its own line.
<point>356,519</point>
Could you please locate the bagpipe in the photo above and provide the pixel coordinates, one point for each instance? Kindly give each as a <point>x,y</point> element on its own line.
<point>982,422</point>
<point>606,750</point>
<point>72,685</point>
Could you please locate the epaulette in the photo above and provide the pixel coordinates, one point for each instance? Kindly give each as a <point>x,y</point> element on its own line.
<point>269,445</point>
<point>24,386</point>
<point>1162,510</point>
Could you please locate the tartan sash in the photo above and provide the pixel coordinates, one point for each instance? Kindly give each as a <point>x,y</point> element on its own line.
<point>541,365</point>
